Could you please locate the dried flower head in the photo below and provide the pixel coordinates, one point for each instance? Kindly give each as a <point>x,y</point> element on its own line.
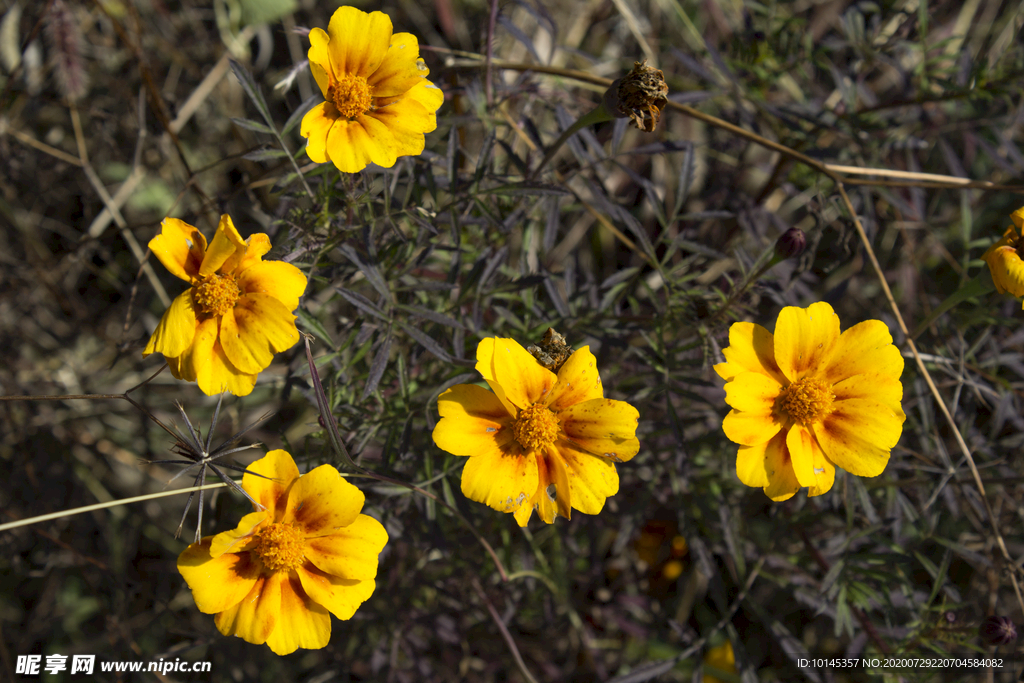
<point>552,351</point>
<point>640,95</point>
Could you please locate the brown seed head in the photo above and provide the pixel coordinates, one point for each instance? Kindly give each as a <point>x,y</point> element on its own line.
<point>641,95</point>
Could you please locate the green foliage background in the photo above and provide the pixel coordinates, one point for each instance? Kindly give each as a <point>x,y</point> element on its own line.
<point>628,242</point>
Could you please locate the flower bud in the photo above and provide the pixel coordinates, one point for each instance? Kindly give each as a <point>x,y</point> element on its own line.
<point>998,631</point>
<point>791,243</point>
<point>640,95</point>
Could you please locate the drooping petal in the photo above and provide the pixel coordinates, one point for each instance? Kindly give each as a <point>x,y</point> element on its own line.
<point>398,72</point>
<point>801,445</point>
<point>473,422</point>
<point>752,392</point>
<point>241,538</point>
<point>351,551</point>
<point>521,377</point>
<point>782,482</point>
<point>258,327</point>
<point>578,381</point>
<point>180,247</point>
<point>278,472</point>
<point>358,41</point>
<point>591,479</point>
<point>174,334</point>
<point>553,495</point>
<point>604,427</point>
<point>316,125</point>
<point>500,481</point>
<point>342,597</point>
<point>858,435</point>
<point>321,502</point>
<point>278,279</point>
<point>214,373</point>
<point>748,428</point>
<point>751,349</point>
<point>319,59</point>
<point>865,348</point>
<point>226,241</point>
<point>352,145</point>
<point>301,622</point>
<point>217,583</point>
<point>804,339</point>
<point>254,617</point>
<point>750,465</point>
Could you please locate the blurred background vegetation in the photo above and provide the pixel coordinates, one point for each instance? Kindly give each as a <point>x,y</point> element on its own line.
<point>117,113</point>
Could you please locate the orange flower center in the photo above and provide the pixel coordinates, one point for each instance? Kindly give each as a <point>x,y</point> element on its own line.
<point>215,294</point>
<point>352,95</point>
<point>806,401</point>
<point>535,427</point>
<point>280,546</point>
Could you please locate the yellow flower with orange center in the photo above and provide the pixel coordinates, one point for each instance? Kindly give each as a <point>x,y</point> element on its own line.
<point>379,103</point>
<point>278,577</point>
<point>1004,258</point>
<point>809,399</point>
<point>225,329</point>
<point>540,440</point>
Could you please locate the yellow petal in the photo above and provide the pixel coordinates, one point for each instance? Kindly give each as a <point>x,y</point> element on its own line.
<point>782,483</point>
<point>577,381</point>
<point>750,465</point>
<point>801,445</point>
<point>1018,218</point>
<point>226,241</point>
<point>554,472</point>
<point>321,502</point>
<point>804,339</point>
<point>240,539</point>
<point>213,371</point>
<point>319,59</point>
<point>865,348</point>
<point>316,125</point>
<point>502,482</point>
<point>398,72</point>
<point>485,366</point>
<point>352,145</point>
<point>406,121</point>
<point>180,247</point>
<point>301,622</point>
<point>751,349</point>
<point>217,583</point>
<point>258,327</point>
<point>359,41</point>
<point>749,429</point>
<point>256,246</point>
<point>824,474</point>
<point>603,427</point>
<point>521,377</point>
<point>278,471</point>
<point>254,617</point>
<point>176,330</point>
<point>473,421</point>
<point>342,597</point>
<point>591,479</point>
<point>350,552</point>
<point>752,392</point>
<point>884,391</point>
<point>277,279</point>
<point>859,434</point>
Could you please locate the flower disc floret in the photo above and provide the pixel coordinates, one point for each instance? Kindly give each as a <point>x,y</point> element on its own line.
<point>304,554</point>
<point>807,399</point>
<point>351,96</point>
<point>215,295</point>
<point>539,440</point>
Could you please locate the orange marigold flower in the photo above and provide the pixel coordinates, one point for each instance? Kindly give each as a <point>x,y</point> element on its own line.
<point>278,577</point>
<point>378,103</point>
<point>1004,258</point>
<point>540,440</point>
<point>809,399</point>
<point>237,314</point>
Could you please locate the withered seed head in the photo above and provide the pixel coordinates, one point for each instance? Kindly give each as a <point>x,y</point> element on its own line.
<point>640,95</point>
<point>552,352</point>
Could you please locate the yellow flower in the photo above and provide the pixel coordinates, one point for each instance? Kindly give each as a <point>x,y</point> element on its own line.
<point>808,400</point>
<point>721,658</point>
<point>1004,259</point>
<point>237,314</point>
<point>541,440</point>
<point>379,102</point>
<point>308,553</point>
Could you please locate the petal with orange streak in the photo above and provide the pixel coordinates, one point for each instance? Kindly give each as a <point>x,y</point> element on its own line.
<point>278,279</point>
<point>350,552</point>
<point>804,339</point>
<point>751,349</point>
<point>254,330</point>
<point>254,617</point>
<point>316,125</point>
<point>398,72</point>
<point>522,378</point>
<point>591,479</point>
<point>240,539</point>
<point>782,483</point>
<point>321,502</point>
<point>180,247</point>
<point>501,481</point>
<point>473,422</point>
<point>342,597</point>
<point>278,472</point>
<point>217,583</point>
<point>174,334</point>
<point>864,349</point>
<point>358,41</point>
<point>226,241</point>
<point>603,427</point>
<point>301,621</point>
<point>577,382</point>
